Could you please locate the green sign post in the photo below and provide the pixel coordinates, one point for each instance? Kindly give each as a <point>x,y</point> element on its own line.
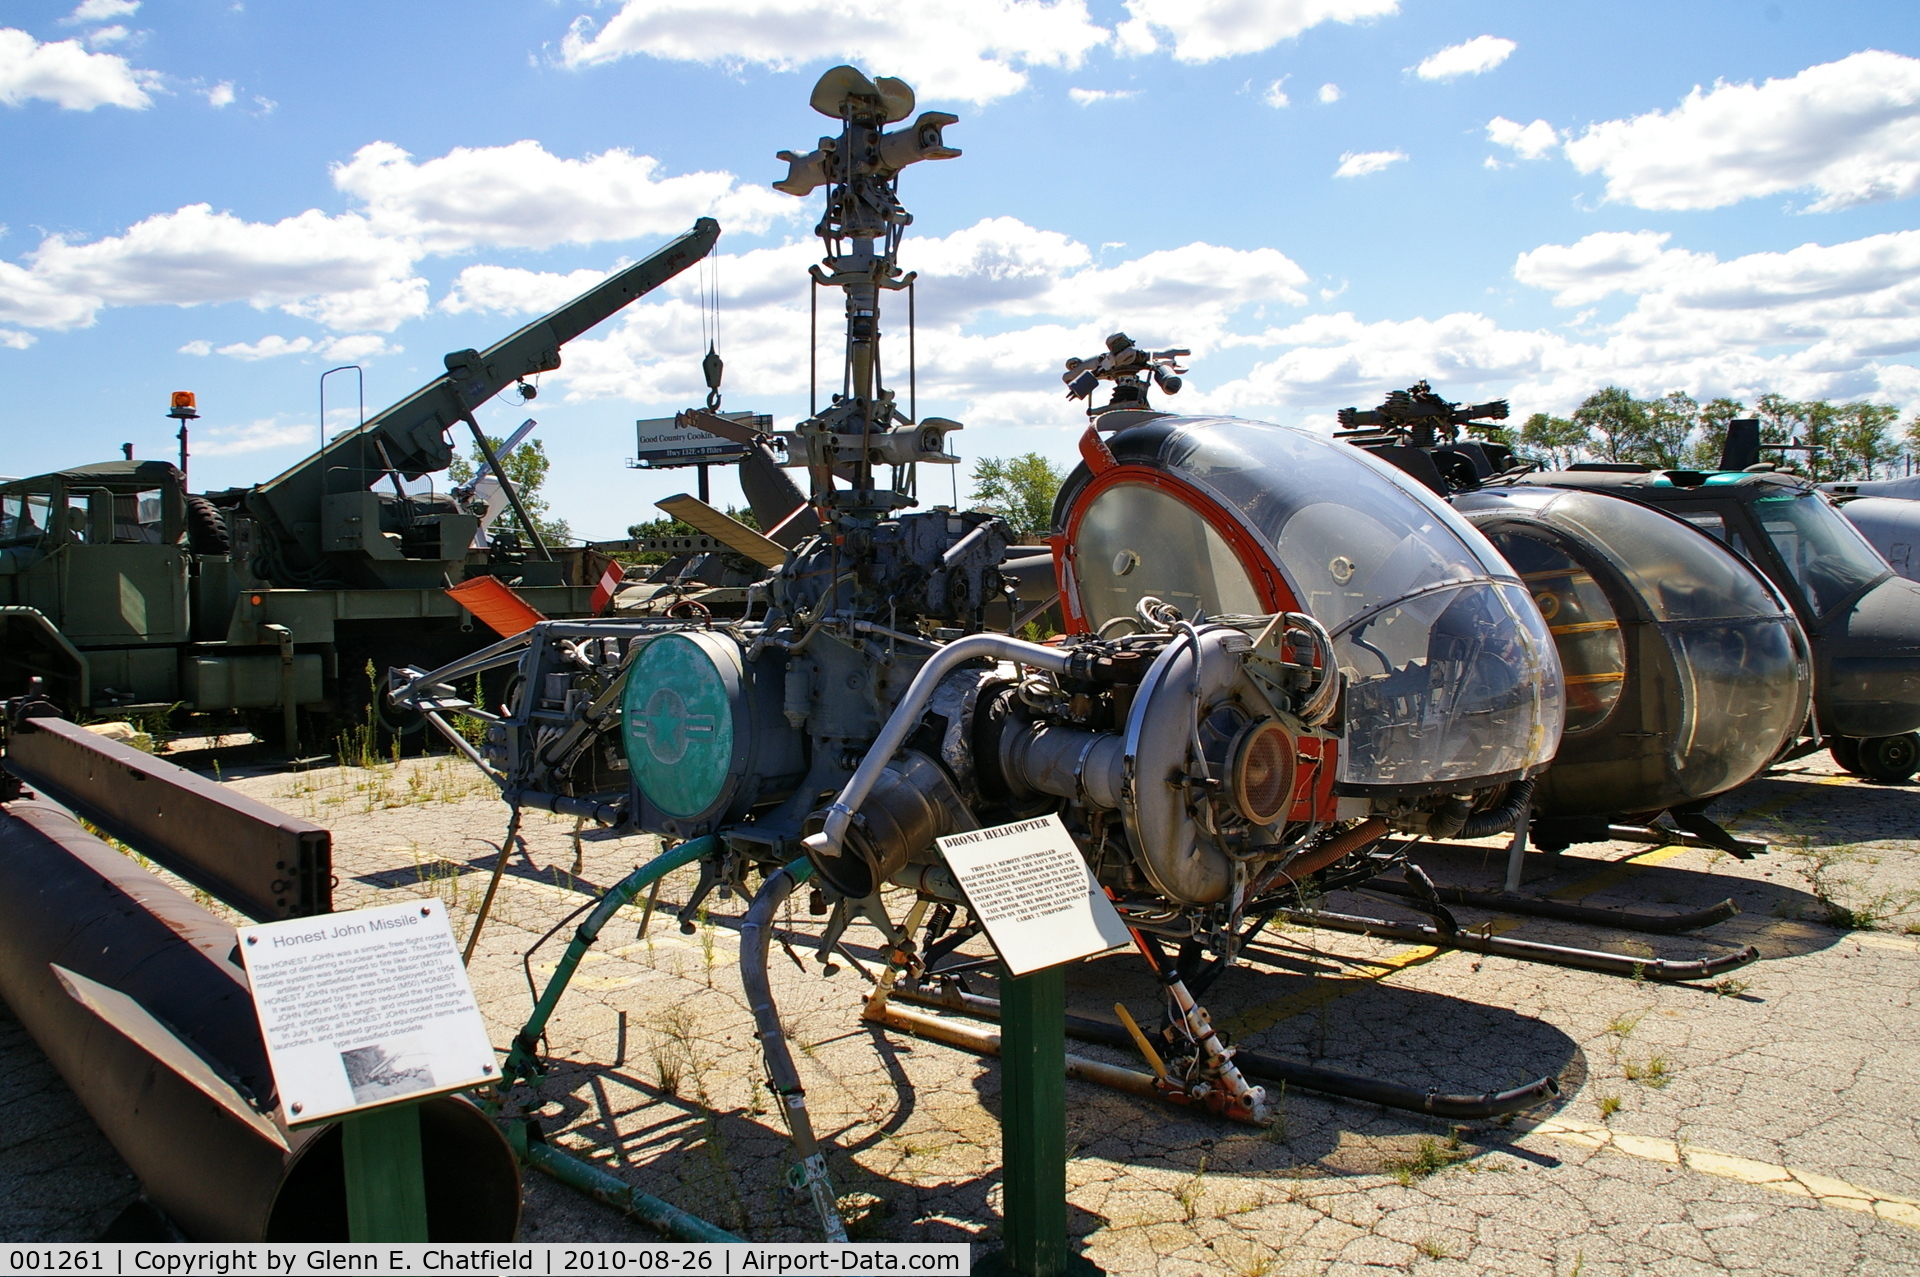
<point>386,1185</point>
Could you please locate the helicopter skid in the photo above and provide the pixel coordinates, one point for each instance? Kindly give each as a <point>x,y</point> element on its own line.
<point>1665,970</point>
<point>1621,919</point>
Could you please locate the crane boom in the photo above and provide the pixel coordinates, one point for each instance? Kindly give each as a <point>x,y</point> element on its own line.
<point>409,438</point>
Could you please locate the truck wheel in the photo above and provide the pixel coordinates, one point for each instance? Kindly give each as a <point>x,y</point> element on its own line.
<point>1890,759</point>
<point>206,530</point>
<point>1846,752</point>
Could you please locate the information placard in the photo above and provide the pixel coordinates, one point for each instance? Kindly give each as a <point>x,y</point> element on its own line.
<point>1034,894</point>
<point>365,1008</point>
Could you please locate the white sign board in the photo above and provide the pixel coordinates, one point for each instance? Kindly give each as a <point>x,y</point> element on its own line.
<point>663,441</point>
<point>1034,894</point>
<point>364,1009</point>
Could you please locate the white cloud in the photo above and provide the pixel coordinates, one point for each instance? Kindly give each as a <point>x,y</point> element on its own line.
<point>513,291</point>
<point>1001,303</point>
<point>100,37</point>
<point>1849,131</point>
<point>1366,163</point>
<point>100,11</point>
<point>523,196</point>
<point>332,268</point>
<point>1480,54</point>
<point>1526,141</point>
<point>355,271</point>
<point>1329,93</point>
<point>255,436</point>
<point>350,349</point>
<point>14,340</point>
<point>220,95</point>
<point>1275,96</point>
<point>198,346</point>
<point>1603,263</point>
<point>63,73</point>
<point>1087,97</point>
<point>1203,30</point>
<point>976,51</point>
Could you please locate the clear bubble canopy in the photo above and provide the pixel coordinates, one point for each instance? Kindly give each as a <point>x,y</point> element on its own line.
<point>1451,674</point>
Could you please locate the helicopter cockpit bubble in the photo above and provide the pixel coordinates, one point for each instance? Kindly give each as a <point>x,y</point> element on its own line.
<point>1686,671</point>
<point>1452,683</point>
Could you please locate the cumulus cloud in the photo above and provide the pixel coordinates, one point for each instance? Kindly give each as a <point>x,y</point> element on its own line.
<point>1473,57</point>
<point>101,37</point>
<point>15,340</point>
<point>355,271</point>
<point>512,290</point>
<point>333,268</point>
<point>1276,96</point>
<point>100,11</point>
<point>64,73</point>
<point>1366,163</point>
<point>348,349</point>
<point>523,196</point>
<point>1603,263</point>
<point>1203,30</point>
<point>1001,303</point>
<point>1329,93</point>
<point>220,95</point>
<point>1087,97</point>
<point>1526,141</point>
<point>1848,131</point>
<point>255,436</point>
<point>976,51</point>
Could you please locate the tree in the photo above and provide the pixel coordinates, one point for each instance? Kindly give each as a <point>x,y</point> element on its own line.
<point>1020,490</point>
<point>1861,438</point>
<point>1779,417</point>
<point>1712,440</point>
<point>1670,422</point>
<point>1563,441</point>
<point>526,468</point>
<point>1617,421</point>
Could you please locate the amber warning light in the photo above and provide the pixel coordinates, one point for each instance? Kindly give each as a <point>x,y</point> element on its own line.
<point>183,405</point>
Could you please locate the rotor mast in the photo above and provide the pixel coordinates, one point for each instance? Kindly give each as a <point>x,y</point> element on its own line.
<point>862,427</point>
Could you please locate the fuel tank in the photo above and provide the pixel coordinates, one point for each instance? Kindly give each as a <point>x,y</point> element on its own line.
<point>1686,672</point>
<point>1452,682</point>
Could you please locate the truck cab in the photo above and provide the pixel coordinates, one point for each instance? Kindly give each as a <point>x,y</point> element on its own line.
<point>95,580</point>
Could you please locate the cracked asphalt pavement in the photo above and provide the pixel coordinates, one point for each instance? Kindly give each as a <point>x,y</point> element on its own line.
<point>1762,1123</point>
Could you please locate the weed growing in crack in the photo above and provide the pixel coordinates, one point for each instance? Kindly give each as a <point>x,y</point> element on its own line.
<point>1731,988</point>
<point>1432,1248</point>
<point>1190,1192</point>
<point>1609,1105</point>
<point>1255,1261</point>
<point>1276,1130</point>
<point>1655,1072</point>
<point>1429,1157</point>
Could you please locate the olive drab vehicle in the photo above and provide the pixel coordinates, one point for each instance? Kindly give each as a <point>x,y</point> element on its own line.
<point>120,590</point>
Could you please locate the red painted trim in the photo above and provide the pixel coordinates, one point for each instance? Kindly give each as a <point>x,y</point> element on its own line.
<point>1094,451</point>
<point>1275,595</point>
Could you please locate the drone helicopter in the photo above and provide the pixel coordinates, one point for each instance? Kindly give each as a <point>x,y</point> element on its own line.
<point>1281,653</point>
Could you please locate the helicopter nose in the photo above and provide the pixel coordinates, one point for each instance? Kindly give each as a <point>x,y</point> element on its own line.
<point>1872,659</point>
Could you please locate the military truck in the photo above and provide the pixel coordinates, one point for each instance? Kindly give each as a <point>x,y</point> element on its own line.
<point>121,591</point>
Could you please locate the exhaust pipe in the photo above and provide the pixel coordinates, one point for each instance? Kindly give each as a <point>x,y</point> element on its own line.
<point>136,995</point>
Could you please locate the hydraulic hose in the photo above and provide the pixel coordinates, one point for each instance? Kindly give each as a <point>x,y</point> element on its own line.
<point>826,844</point>
<point>782,1077</point>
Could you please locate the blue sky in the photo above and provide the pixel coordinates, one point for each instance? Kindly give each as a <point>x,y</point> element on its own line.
<point>1325,199</point>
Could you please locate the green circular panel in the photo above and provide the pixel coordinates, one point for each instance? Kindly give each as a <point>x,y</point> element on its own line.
<point>678,726</point>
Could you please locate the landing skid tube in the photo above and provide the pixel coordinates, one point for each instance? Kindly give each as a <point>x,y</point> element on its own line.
<point>1665,970</point>
<point>1533,906</point>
